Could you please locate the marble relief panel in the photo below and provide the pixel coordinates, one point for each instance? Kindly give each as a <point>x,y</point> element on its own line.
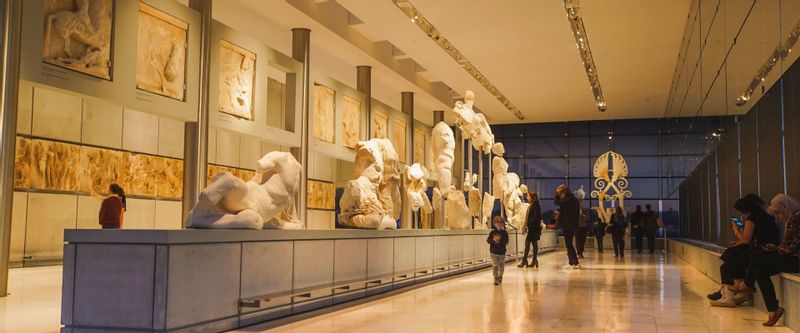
<point>77,35</point>
<point>101,167</point>
<point>237,68</point>
<point>324,113</point>
<point>380,122</point>
<point>351,121</point>
<point>419,146</point>
<point>45,164</point>
<point>50,165</point>
<point>242,174</point>
<point>398,138</point>
<point>161,53</point>
<point>321,195</point>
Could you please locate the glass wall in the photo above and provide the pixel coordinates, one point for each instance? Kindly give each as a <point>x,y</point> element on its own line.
<point>659,153</point>
<point>725,48</point>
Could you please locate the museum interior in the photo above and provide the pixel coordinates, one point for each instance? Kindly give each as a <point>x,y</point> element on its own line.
<point>399,166</point>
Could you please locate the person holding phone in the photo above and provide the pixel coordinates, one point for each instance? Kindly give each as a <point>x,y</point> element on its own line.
<point>758,230</point>
<point>771,259</point>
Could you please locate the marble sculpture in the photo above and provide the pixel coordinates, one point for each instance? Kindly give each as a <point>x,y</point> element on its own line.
<point>444,144</point>
<point>398,137</point>
<point>506,186</point>
<point>265,201</point>
<point>380,123</point>
<point>372,200</point>
<point>77,35</point>
<point>416,184</point>
<point>473,125</point>
<point>161,53</point>
<point>610,180</point>
<point>237,69</point>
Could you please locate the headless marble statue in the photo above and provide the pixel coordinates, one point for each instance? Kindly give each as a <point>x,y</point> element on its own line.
<point>372,200</point>
<point>266,201</point>
<point>444,144</point>
<point>416,184</point>
<point>473,125</point>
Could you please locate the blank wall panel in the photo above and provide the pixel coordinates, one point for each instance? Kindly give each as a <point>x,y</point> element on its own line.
<point>170,137</point>
<point>140,132</point>
<point>56,115</point>
<point>102,123</point>
<point>48,216</point>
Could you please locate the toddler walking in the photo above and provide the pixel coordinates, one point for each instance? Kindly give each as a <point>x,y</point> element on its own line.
<point>498,239</point>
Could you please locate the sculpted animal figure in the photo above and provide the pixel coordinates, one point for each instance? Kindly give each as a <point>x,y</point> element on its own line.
<point>473,125</point>
<point>372,200</point>
<point>75,26</point>
<point>266,201</point>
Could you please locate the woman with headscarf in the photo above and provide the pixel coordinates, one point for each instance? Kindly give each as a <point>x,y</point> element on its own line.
<point>771,259</point>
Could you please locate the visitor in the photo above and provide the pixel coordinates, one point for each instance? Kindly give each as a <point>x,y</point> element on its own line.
<point>619,226</point>
<point>769,259</point>
<point>637,226</point>
<point>583,231</point>
<point>498,239</point>
<point>599,234</point>
<point>568,215</point>
<point>759,230</point>
<point>113,207</point>
<point>532,229</point>
<point>650,228</point>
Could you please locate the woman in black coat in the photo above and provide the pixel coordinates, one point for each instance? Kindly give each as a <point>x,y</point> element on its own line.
<point>532,229</point>
<point>618,228</point>
<point>568,220</point>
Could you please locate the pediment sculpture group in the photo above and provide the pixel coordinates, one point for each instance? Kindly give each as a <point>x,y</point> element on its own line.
<point>373,199</point>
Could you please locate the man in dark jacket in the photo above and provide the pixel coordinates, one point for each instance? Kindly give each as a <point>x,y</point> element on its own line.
<point>650,227</point>
<point>637,224</point>
<point>568,220</point>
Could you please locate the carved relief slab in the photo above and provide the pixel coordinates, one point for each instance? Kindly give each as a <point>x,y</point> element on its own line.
<point>242,174</point>
<point>237,68</point>
<point>161,53</point>
<point>100,168</point>
<point>324,106</point>
<point>398,138</point>
<point>50,165</point>
<point>380,123</point>
<point>419,145</point>
<point>77,35</point>
<point>42,164</point>
<point>351,116</point>
<point>321,195</point>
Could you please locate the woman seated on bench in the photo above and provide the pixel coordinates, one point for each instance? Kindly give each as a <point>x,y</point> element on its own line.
<point>759,229</point>
<point>770,259</point>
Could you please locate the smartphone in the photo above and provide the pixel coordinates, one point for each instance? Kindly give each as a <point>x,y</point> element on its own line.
<point>738,221</point>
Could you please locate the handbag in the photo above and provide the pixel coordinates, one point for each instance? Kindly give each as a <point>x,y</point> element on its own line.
<point>734,251</point>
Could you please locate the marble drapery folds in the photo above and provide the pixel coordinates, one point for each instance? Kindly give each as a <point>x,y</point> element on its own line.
<point>372,200</point>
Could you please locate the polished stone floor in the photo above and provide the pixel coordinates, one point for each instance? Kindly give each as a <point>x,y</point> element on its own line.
<point>646,293</point>
<point>642,293</point>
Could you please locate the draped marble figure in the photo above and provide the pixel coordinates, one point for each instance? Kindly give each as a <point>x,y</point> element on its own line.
<point>416,184</point>
<point>372,200</point>
<point>444,144</point>
<point>265,201</point>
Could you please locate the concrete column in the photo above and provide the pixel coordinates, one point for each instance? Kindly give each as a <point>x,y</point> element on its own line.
<point>438,216</point>
<point>458,166</point>
<point>301,51</point>
<point>9,95</point>
<point>195,167</point>
<point>407,107</point>
<point>364,85</point>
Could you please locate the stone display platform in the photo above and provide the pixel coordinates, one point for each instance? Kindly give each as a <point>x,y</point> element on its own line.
<point>217,280</point>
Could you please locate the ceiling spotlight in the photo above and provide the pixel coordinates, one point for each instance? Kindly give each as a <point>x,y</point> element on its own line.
<point>780,52</point>
<point>582,44</point>
<point>434,34</point>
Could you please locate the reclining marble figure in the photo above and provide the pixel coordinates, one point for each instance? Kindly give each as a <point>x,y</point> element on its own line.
<point>266,201</point>
<point>473,125</point>
<point>372,200</point>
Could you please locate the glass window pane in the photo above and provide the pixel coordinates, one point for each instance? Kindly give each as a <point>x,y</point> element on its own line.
<point>579,146</point>
<point>580,167</point>
<point>640,145</point>
<point>546,129</point>
<point>636,126</point>
<point>642,166</point>
<point>546,147</point>
<point>545,167</point>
